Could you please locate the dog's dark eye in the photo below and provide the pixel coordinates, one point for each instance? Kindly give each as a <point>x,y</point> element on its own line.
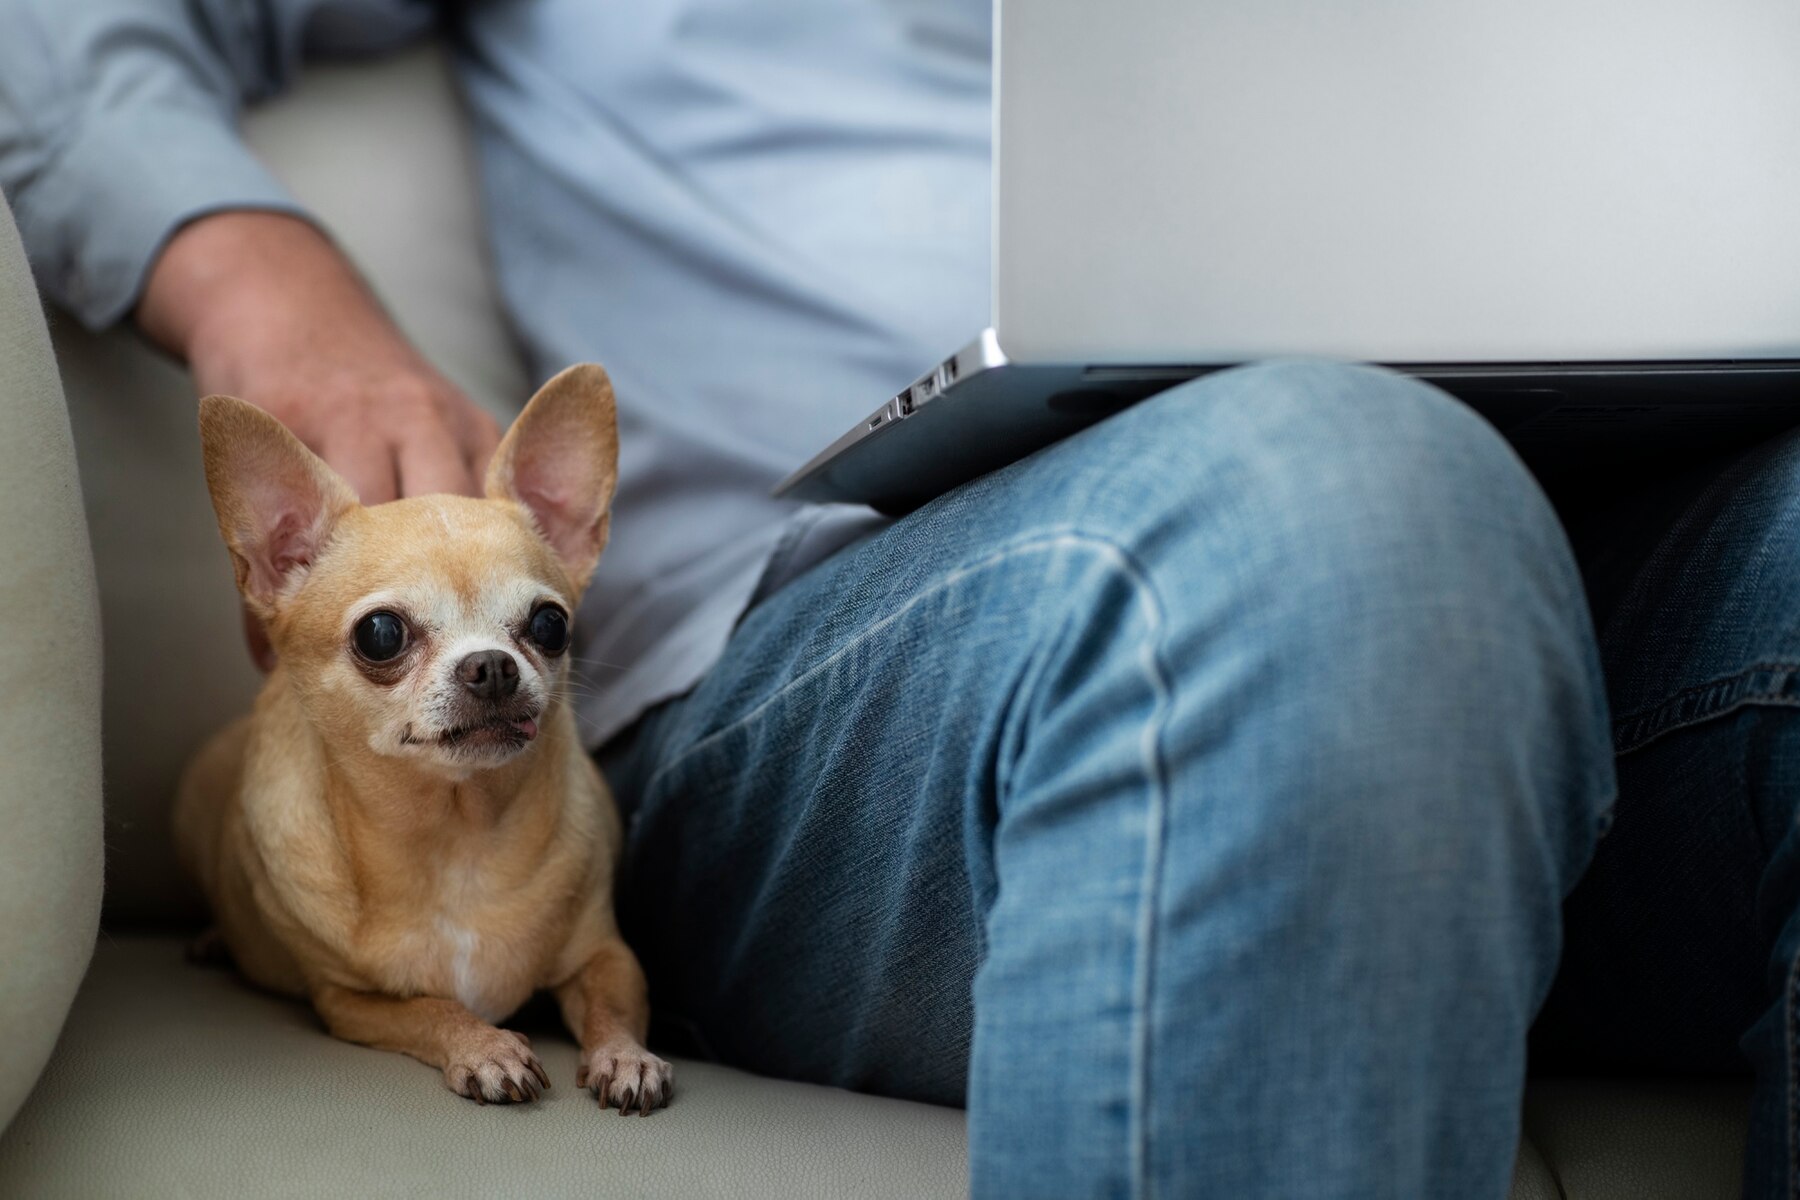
<point>549,628</point>
<point>380,636</point>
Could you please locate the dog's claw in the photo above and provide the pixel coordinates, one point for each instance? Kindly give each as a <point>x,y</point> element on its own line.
<point>494,1067</point>
<point>537,1068</point>
<point>623,1075</point>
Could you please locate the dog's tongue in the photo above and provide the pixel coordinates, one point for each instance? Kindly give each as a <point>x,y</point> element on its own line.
<point>528,727</point>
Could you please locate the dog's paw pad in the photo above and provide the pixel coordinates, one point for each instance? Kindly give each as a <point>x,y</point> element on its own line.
<point>624,1075</point>
<point>496,1065</point>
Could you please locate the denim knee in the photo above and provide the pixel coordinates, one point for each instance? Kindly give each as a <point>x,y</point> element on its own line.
<point>1365,552</point>
<point>1301,448</point>
<point>1354,491</point>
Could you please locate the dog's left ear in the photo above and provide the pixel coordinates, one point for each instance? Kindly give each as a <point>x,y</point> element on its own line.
<point>560,460</point>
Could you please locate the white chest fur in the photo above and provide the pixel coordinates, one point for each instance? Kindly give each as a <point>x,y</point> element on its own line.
<point>455,948</point>
<point>467,977</point>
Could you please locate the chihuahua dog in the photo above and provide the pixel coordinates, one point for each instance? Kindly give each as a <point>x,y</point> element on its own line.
<point>406,831</point>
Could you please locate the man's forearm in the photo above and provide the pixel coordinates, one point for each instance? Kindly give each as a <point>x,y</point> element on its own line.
<point>229,287</point>
<point>234,267</point>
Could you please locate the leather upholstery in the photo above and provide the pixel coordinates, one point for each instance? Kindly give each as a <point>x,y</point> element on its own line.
<point>49,696</point>
<point>177,1080</point>
<point>180,1080</point>
<point>174,1079</point>
<point>1643,1137</point>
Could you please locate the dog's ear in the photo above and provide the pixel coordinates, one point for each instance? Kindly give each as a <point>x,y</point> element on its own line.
<point>560,460</point>
<point>276,500</point>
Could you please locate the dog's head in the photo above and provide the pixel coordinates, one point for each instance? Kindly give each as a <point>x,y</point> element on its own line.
<point>434,628</point>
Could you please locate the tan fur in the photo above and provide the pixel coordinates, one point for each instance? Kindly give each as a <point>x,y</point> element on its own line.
<point>416,896</point>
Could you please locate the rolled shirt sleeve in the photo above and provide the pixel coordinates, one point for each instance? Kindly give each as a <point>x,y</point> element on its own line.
<point>118,122</point>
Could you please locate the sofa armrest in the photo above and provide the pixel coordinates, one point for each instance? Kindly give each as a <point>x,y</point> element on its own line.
<point>50,856</point>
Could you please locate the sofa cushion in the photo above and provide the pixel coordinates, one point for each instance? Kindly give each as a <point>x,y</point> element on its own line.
<point>1641,1137</point>
<point>179,1080</point>
<point>49,695</point>
<point>176,1080</point>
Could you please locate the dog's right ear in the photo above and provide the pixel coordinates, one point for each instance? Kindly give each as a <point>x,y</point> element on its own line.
<point>276,500</point>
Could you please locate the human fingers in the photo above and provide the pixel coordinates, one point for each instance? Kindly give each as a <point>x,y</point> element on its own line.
<point>430,461</point>
<point>479,435</point>
<point>366,461</point>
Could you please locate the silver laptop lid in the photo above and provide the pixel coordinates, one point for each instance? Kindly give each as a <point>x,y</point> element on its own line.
<point>1398,180</point>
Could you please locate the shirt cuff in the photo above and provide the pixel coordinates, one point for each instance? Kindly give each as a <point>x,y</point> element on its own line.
<point>96,217</point>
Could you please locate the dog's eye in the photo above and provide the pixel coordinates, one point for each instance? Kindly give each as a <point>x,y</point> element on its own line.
<point>549,628</point>
<point>380,636</point>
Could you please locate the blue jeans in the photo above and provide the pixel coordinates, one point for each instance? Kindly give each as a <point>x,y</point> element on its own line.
<point>1683,941</point>
<point>1194,800</point>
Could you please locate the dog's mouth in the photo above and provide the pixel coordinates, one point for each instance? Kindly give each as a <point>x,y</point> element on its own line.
<point>500,732</point>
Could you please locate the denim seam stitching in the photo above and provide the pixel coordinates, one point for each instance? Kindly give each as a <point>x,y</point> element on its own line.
<point>1155,840</point>
<point>1032,544</point>
<point>1706,701</point>
<point>1643,711</point>
<point>1155,769</point>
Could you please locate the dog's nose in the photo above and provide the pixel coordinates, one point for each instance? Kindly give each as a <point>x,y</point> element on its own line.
<point>490,674</point>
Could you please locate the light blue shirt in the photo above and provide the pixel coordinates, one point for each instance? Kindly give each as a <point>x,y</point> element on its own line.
<point>761,215</point>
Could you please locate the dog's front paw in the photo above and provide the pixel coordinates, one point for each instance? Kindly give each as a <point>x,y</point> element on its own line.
<point>495,1064</point>
<point>623,1073</point>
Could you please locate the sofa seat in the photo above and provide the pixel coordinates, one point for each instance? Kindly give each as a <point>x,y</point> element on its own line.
<point>1648,1139</point>
<point>177,1080</point>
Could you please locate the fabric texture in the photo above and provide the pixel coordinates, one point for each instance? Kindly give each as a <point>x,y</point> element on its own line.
<point>50,848</point>
<point>118,123</point>
<point>1241,748</point>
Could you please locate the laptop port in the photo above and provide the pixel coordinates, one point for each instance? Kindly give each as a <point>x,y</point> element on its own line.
<point>878,420</point>
<point>950,371</point>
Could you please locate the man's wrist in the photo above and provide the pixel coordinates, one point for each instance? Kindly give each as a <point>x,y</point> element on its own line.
<point>233,278</point>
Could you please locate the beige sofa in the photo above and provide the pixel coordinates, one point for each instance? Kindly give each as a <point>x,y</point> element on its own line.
<point>172,1080</point>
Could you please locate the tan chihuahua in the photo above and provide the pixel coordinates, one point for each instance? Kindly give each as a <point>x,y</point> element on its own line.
<point>406,830</point>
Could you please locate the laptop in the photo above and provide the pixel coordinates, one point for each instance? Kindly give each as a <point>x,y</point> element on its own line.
<point>1582,218</point>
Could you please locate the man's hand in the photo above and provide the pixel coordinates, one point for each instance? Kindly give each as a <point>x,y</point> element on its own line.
<point>263,307</point>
